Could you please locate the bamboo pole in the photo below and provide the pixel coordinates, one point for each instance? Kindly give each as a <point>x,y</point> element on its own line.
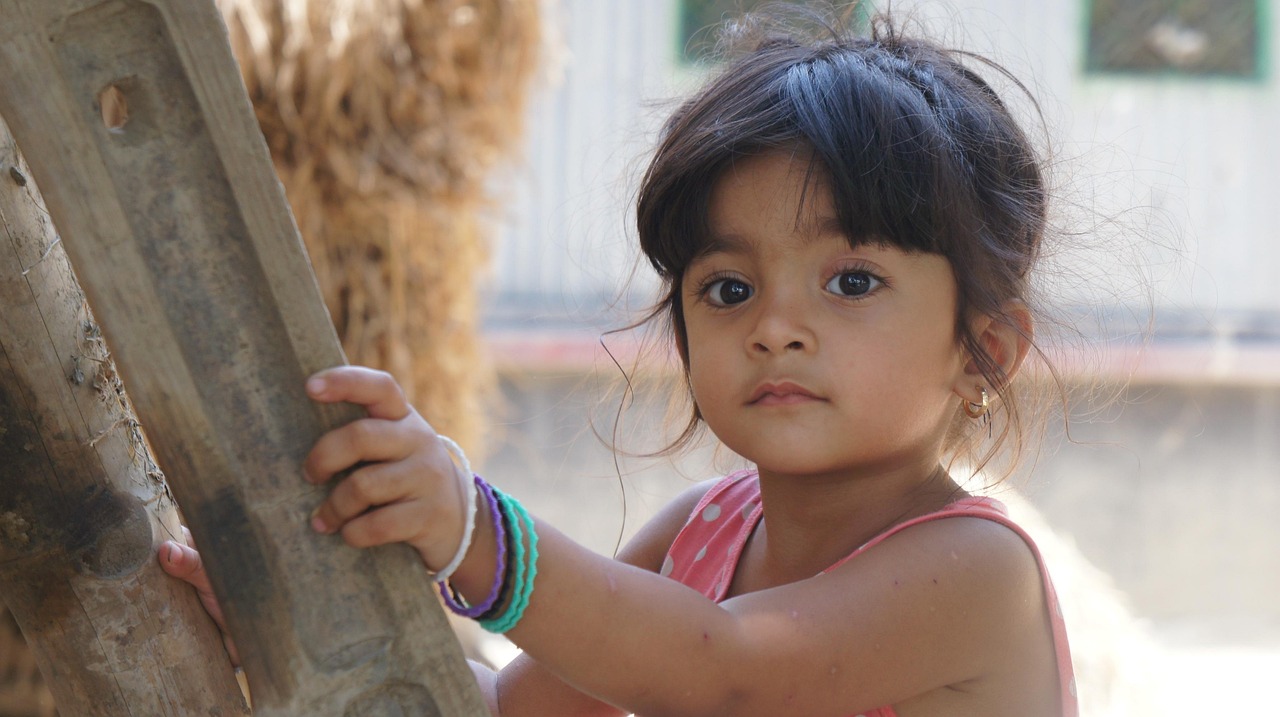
<point>83,507</point>
<point>191,260</point>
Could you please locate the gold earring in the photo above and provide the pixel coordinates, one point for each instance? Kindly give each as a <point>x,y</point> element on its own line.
<point>977,410</point>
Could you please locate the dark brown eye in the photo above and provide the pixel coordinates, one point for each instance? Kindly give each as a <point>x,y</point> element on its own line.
<point>852,283</point>
<point>727,292</point>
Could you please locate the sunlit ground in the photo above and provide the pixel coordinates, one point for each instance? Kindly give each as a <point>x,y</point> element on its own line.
<point>1225,680</point>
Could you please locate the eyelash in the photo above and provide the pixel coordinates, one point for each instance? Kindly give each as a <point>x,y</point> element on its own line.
<point>704,287</point>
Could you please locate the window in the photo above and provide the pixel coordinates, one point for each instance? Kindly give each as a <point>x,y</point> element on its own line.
<point>700,20</point>
<point>1186,37</point>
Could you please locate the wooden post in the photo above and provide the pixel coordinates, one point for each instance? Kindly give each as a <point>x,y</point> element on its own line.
<point>137,127</point>
<point>83,508</point>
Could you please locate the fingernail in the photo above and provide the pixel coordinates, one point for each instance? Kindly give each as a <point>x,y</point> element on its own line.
<point>317,524</point>
<point>315,386</point>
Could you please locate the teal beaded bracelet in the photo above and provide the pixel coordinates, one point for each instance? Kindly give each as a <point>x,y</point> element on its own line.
<point>525,563</point>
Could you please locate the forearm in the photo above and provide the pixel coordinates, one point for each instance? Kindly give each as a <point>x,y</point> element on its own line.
<point>523,688</point>
<point>527,689</point>
<point>615,631</point>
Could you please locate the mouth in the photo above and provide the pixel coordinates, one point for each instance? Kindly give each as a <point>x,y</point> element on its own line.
<point>781,394</point>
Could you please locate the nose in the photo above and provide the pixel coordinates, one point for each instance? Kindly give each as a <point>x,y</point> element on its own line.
<point>781,327</point>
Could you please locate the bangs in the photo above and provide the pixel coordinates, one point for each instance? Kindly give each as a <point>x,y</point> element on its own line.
<point>879,150</point>
<point>880,142</point>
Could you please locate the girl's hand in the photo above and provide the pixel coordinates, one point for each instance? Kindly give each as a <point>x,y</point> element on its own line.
<point>409,489</point>
<point>183,561</point>
<point>403,485</point>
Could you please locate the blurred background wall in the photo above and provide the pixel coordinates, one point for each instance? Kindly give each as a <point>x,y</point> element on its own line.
<point>1160,118</point>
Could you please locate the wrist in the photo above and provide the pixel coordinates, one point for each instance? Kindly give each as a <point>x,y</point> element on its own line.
<point>510,537</point>
<point>475,577</point>
<point>468,486</point>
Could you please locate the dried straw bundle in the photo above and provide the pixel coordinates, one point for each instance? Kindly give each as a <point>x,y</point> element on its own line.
<point>383,118</point>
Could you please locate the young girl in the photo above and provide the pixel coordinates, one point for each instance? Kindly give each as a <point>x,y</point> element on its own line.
<point>845,228</point>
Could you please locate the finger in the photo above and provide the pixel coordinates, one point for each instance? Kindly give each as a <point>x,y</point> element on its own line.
<point>396,523</point>
<point>367,440</point>
<point>369,487</point>
<point>230,645</point>
<point>377,391</point>
<point>185,564</point>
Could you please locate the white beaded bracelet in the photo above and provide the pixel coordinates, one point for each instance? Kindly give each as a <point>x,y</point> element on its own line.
<point>469,527</point>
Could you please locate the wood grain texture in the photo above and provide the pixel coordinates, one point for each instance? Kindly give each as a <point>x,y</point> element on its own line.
<point>182,239</point>
<point>83,508</point>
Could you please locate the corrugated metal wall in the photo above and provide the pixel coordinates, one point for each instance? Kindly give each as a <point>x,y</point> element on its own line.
<point>1171,180</point>
<point>566,247</point>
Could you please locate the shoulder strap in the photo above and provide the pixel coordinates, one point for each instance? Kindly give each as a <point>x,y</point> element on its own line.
<point>723,486</point>
<point>972,507</point>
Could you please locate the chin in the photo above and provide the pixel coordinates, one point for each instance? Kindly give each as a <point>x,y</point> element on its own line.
<point>789,462</point>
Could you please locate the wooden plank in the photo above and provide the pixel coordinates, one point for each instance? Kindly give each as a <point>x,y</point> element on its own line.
<point>191,260</point>
<point>83,508</point>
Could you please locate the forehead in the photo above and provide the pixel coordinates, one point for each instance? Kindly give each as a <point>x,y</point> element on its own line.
<point>775,197</point>
<point>780,187</point>
<point>779,202</point>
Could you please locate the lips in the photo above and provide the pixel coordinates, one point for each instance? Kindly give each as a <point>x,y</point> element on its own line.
<point>781,394</point>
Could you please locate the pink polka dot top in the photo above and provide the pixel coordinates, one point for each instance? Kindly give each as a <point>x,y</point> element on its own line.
<point>706,552</point>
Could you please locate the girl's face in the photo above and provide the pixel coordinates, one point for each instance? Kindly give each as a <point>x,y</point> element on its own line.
<point>807,356</point>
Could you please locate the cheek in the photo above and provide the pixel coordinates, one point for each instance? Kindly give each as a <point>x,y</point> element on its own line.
<point>711,381</point>
<point>907,376</point>
<point>702,352</point>
<point>702,367</point>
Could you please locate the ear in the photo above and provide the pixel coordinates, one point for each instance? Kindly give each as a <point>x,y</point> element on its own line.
<point>1006,338</point>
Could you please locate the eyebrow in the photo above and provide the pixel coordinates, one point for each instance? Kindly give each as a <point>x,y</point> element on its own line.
<point>828,225</point>
<point>724,244</point>
<point>737,244</point>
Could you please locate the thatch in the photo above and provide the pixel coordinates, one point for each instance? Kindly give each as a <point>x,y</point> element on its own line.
<point>384,118</point>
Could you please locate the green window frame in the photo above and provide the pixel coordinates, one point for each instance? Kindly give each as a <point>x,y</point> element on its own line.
<point>698,20</point>
<point>1178,38</point>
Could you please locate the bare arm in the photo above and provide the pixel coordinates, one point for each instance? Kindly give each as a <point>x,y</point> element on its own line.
<point>526,689</point>
<point>948,603</point>
<point>901,621</point>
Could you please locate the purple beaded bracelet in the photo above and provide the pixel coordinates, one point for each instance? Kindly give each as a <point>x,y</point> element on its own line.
<point>454,601</point>
<point>508,575</point>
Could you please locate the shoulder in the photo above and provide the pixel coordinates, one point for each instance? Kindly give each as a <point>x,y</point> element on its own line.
<point>978,577</point>
<point>986,553</point>
<point>984,578</point>
<point>975,529</point>
<point>649,546</point>
<point>985,547</point>
<point>956,602</point>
